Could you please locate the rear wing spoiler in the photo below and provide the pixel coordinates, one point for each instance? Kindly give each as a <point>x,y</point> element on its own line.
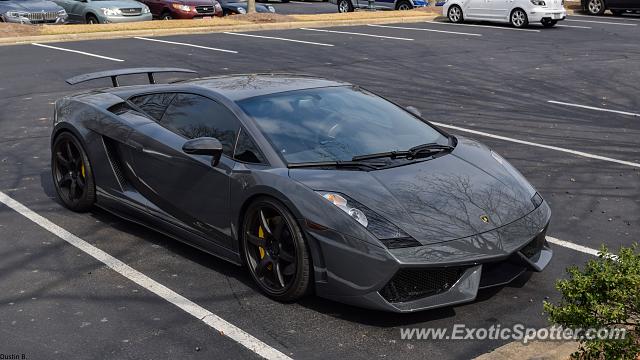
<point>113,74</point>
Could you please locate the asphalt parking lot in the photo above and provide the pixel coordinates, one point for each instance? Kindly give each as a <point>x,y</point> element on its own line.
<point>304,7</point>
<point>560,104</point>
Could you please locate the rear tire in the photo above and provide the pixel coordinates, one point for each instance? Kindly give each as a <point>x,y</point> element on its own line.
<point>519,18</point>
<point>404,5</point>
<point>275,251</point>
<point>595,7</point>
<point>92,19</point>
<point>455,14</point>
<point>548,23</point>
<point>72,173</point>
<point>345,6</point>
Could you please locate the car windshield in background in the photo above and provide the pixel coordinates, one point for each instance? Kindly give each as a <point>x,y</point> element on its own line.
<point>336,124</point>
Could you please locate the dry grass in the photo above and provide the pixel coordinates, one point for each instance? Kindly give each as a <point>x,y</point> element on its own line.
<point>14,30</point>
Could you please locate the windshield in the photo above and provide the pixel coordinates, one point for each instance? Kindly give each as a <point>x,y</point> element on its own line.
<point>336,124</point>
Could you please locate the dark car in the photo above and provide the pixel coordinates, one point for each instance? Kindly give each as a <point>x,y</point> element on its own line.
<point>183,9</point>
<point>617,7</point>
<point>31,12</point>
<point>231,7</point>
<point>314,185</point>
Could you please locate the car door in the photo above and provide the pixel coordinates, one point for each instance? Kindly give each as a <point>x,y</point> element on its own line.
<point>76,10</point>
<point>499,9</point>
<point>186,187</point>
<point>476,9</point>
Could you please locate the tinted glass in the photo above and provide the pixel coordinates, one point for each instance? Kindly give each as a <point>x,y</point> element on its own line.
<point>337,123</point>
<point>154,104</point>
<point>246,149</point>
<point>194,116</point>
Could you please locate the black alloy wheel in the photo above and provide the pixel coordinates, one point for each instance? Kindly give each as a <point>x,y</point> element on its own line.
<point>72,173</point>
<point>275,251</point>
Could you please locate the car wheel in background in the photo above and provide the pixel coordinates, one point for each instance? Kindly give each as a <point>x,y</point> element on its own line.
<point>519,18</point>
<point>549,23</point>
<point>455,14</point>
<point>595,7</point>
<point>275,251</point>
<point>166,15</point>
<point>72,173</point>
<point>404,5</point>
<point>92,19</point>
<point>345,6</point>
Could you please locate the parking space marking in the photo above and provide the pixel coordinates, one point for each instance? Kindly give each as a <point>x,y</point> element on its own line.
<point>601,22</point>
<point>77,52</point>
<point>574,26</point>
<point>549,147</point>
<point>610,17</point>
<point>220,325</point>
<point>422,29</point>
<point>277,38</point>
<point>593,108</point>
<point>185,44</point>
<point>481,26</point>
<point>573,246</point>
<point>358,34</point>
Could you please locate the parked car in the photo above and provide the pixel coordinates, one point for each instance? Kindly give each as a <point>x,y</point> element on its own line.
<point>31,12</point>
<point>183,9</point>
<point>105,11</point>
<point>617,7</point>
<point>231,7</point>
<point>314,185</point>
<point>350,5</point>
<point>520,13</point>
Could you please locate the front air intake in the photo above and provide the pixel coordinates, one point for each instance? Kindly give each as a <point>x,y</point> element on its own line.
<point>413,284</point>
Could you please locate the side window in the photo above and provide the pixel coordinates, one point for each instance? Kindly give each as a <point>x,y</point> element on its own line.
<point>246,149</point>
<point>154,104</point>
<point>194,116</point>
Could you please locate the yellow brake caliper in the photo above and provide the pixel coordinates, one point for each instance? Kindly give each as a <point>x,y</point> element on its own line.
<point>261,236</point>
<point>82,171</point>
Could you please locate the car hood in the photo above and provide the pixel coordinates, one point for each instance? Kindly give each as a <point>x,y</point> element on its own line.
<point>466,192</point>
<point>30,6</point>
<point>198,2</point>
<point>120,4</point>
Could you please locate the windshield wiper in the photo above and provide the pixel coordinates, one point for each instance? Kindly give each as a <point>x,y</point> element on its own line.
<point>337,164</point>
<point>413,152</point>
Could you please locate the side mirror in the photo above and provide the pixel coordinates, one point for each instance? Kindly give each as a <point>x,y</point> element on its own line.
<point>414,111</point>
<point>204,146</point>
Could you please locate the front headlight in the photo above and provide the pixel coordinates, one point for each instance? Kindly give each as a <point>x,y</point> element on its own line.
<point>16,14</point>
<point>186,8</point>
<point>271,8</point>
<point>146,10</point>
<point>388,234</point>
<point>62,13</point>
<point>241,10</point>
<point>538,2</point>
<point>111,11</point>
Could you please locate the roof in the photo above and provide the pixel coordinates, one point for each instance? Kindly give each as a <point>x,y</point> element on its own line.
<point>239,87</point>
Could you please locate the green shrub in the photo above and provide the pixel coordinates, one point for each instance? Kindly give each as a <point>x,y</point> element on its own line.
<point>604,294</point>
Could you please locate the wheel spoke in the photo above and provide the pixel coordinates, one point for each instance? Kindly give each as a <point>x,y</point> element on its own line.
<point>277,230</point>
<point>255,240</point>
<point>278,273</point>
<point>286,256</point>
<point>69,152</point>
<point>66,178</point>
<point>263,223</point>
<point>73,190</point>
<point>290,269</point>
<point>261,268</point>
<point>62,161</point>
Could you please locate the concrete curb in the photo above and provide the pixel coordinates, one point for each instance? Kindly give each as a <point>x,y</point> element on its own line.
<point>212,29</point>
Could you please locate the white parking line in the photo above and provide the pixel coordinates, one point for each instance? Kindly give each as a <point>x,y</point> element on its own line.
<point>481,26</point>
<point>601,22</point>
<point>77,52</point>
<point>185,44</point>
<point>421,29</point>
<point>574,26</point>
<point>278,38</point>
<point>220,325</point>
<point>572,246</point>
<point>593,108</point>
<point>609,17</point>
<point>358,34</point>
<point>550,147</point>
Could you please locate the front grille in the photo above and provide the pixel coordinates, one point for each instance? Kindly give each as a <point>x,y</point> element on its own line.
<point>131,11</point>
<point>209,9</point>
<point>42,16</point>
<point>412,284</point>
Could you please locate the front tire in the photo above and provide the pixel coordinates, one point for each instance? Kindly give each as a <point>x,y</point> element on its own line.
<point>404,5</point>
<point>166,16</point>
<point>519,18</point>
<point>548,23</point>
<point>72,173</point>
<point>454,14</point>
<point>345,6</point>
<point>275,251</point>
<point>92,19</point>
<point>595,7</point>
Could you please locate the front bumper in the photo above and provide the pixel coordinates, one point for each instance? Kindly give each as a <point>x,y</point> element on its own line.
<point>24,20</point>
<point>539,13</point>
<point>126,19</point>
<point>419,278</point>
